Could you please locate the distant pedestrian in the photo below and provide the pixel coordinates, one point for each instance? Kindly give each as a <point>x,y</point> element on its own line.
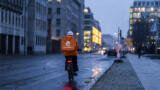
<point>139,51</point>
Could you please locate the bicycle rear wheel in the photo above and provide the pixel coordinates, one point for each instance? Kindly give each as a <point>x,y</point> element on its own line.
<point>70,76</point>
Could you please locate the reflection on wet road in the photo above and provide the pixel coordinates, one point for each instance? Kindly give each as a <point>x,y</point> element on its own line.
<point>47,72</point>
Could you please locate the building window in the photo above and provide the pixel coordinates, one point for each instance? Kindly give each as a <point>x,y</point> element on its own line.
<point>58,11</point>
<point>87,16</point>
<point>143,3</point>
<point>156,3</point>
<point>58,22</point>
<point>152,3</point>
<point>19,20</point>
<point>139,3</point>
<point>37,40</point>
<point>9,17</point>
<point>22,41</point>
<point>87,28</point>
<point>147,3</point>
<point>13,19</point>
<point>49,10</point>
<point>2,15</point>
<point>16,21</point>
<point>5,16</point>
<point>57,32</point>
<point>86,22</point>
<point>22,22</point>
<point>135,3</point>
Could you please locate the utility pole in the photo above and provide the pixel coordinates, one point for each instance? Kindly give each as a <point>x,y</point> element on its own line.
<point>120,40</point>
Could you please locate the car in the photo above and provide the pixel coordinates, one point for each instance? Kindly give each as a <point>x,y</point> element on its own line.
<point>112,52</point>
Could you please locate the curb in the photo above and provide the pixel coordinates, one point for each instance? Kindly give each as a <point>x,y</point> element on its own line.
<point>92,83</point>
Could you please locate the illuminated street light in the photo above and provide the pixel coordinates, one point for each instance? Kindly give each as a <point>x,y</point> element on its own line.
<point>59,1</point>
<point>86,10</point>
<point>115,33</point>
<point>77,34</point>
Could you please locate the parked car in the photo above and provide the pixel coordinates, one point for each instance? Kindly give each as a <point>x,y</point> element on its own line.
<point>112,52</point>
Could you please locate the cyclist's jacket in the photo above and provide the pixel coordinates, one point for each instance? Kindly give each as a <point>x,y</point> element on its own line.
<point>69,46</point>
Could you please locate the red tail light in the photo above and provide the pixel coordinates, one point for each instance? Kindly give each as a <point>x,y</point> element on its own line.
<point>69,61</point>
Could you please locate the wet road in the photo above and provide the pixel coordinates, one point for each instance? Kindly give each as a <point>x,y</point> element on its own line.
<point>47,72</point>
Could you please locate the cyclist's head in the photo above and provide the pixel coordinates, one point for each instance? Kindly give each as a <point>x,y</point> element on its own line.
<point>69,33</point>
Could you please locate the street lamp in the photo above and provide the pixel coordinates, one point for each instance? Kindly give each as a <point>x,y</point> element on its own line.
<point>77,34</point>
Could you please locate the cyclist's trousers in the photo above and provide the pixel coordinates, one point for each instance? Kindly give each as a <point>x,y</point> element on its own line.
<point>74,60</point>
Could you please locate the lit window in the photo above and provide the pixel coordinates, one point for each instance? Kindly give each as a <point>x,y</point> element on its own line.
<point>86,38</point>
<point>151,20</point>
<point>159,14</point>
<point>87,33</point>
<point>159,9</point>
<point>131,22</point>
<point>155,14</point>
<point>139,9</point>
<point>130,33</point>
<point>142,9</point>
<point>135,9</point>
<point>134,15</point>
<point>152,9</point>
<point>131,10</point>
<point>130,27</point>
<point>138,15</point>
<point>131,15</point>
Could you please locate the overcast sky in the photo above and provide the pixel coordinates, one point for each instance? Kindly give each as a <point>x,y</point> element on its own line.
<point>111,14</point>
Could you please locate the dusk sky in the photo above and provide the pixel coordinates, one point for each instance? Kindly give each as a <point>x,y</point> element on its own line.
<point>111,14</point>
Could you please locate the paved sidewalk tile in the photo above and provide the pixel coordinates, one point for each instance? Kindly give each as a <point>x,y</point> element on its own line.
<point>147,70</point>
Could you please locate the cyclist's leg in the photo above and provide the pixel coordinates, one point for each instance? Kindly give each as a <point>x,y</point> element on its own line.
<point>75,65</point>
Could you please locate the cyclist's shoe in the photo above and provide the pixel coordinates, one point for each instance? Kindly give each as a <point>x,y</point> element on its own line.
<point>75,74</point>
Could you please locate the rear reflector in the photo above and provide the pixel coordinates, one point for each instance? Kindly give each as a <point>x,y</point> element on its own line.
<point>69,61</point>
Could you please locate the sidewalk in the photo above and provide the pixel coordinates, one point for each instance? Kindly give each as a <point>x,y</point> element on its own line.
<point>152,56</point>
<point>121,76</point>
<point>147,71</point>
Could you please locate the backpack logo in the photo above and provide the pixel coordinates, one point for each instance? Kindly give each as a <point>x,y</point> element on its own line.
<point>68,43</point>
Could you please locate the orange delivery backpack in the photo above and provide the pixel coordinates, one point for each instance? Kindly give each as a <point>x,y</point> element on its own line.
<point>68,44</point>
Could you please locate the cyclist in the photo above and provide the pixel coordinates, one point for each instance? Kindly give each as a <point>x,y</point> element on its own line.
<point>71,52</point>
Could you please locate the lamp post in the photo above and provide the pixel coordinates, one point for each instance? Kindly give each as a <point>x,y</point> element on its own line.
<point>77,34</point>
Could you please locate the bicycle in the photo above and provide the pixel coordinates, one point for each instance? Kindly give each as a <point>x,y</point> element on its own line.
<point>70,70</point>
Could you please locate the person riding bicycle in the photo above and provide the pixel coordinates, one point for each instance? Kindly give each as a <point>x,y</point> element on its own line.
<point>70,47</point>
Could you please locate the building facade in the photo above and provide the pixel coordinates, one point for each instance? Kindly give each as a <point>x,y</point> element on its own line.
<point>36,26</point>
<point>64,15</point>
<point>23,26</point>
<point>92,32</point>
<point>148,10</point>
<point>11,27</point>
